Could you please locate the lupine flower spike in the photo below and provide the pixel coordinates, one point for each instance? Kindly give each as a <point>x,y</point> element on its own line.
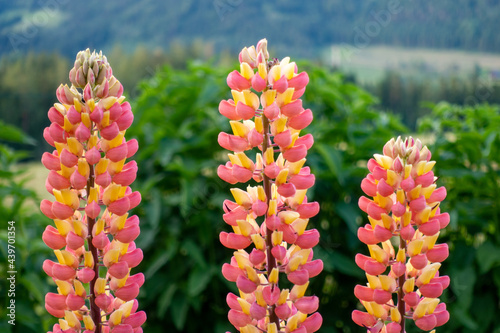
<point>403,210</point>
<point>266,113</point>
<point>93,237</point>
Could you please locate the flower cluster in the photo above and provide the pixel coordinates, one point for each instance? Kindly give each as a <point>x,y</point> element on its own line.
<point>405,206</point>
<point>272,216</point>
<point>90,182</point>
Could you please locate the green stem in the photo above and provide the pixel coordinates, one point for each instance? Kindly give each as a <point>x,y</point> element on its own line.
<point>401,281</point>
<point>95,311</point>
<point>271,261</point>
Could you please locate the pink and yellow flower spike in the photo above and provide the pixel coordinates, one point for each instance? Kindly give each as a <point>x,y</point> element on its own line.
<point>402,204</point>
<point>269,219</point>
<point>89,176</point>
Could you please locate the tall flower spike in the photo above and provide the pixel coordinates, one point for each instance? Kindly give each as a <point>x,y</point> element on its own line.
<point>404,210</point>
<point>90,182</point>
<point>266,113</point>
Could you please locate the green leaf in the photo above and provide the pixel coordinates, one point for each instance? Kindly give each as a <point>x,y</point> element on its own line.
<point>487,256</point>
<point>179,311</point>
<point>350,214</point>
<point>165,299</point>
<point>198,281</point>
<point>13,134</point>
<point>194,252</point>
<point>161,260</point>
<point>333,160</point>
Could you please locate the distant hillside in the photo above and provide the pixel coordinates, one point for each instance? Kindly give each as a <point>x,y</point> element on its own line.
<point>299,27</point>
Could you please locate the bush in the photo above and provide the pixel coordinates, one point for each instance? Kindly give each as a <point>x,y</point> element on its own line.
<point>177,123</point>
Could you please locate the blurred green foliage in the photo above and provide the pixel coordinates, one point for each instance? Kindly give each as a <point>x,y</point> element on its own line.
<point>311,26</point>
<point>177,123</point>
<point>19,204</point>
<point>466,146</point>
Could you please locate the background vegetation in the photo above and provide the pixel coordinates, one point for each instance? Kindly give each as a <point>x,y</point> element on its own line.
<point>177,122</point>
<point>173,57</point>
<point>462,24</point>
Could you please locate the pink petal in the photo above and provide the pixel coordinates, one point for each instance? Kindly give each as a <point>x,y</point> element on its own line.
<point>56,301</point>
<point>283,139</point>
<point>308,210</point>
<point>63,272</point>
<point>245,285</point>
<point>299,81</point>
<point>128,234</point>
<point>427,322</point>
<point>46,208</point>
<point>228,110</point>
<point>438,253</point>
<point>292,109</point>
<point>431,290</point>
<point>412,299</point>
<point>127,292</point>
<point>381,296</point>
<point>118,153</point>
<point>278,252</point>
<point>237,82</point>
<point>408,184</point>
<point>257,257</point>
<point>272,111</point>
<point>307,304</point>
<point>309,239</point>
<point>110,132</point>
<point>74,241</point>
<point>302,120</point>
<point>57,181</point>
<point>231,273</point>
<point>120,206</point>
<point>287,190</point>
<point>232,142</point>
<point>258,83</point>
<point>296,153</point>
<point>244,111</point>
<point>100,241</point>
<point>61,211</point>
<point>238,319</point>
<point>256,311</point>
<point>271,294</point>
<point>363,293</point>
<point>133,258</point>
<point>54,312</point>
<point>384,189</point>
<point>382,234</point>
<point>314,267</point>
<point>119,270</point>
<point>57,133</point>
<point>75,302</point>
<point>85,275</point>
<point>313,322</point>
<point>281,85</point>
<point>425,180</point>
<point>51,161</point>
<point>136,319</point>
<point>369,187</point>
<point>55,116</point>
<point>283,311</point>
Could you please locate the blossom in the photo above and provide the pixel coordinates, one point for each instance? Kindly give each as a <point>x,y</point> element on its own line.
<point>89,177</point>
<point>266,114</point>
<point>404,207</point>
